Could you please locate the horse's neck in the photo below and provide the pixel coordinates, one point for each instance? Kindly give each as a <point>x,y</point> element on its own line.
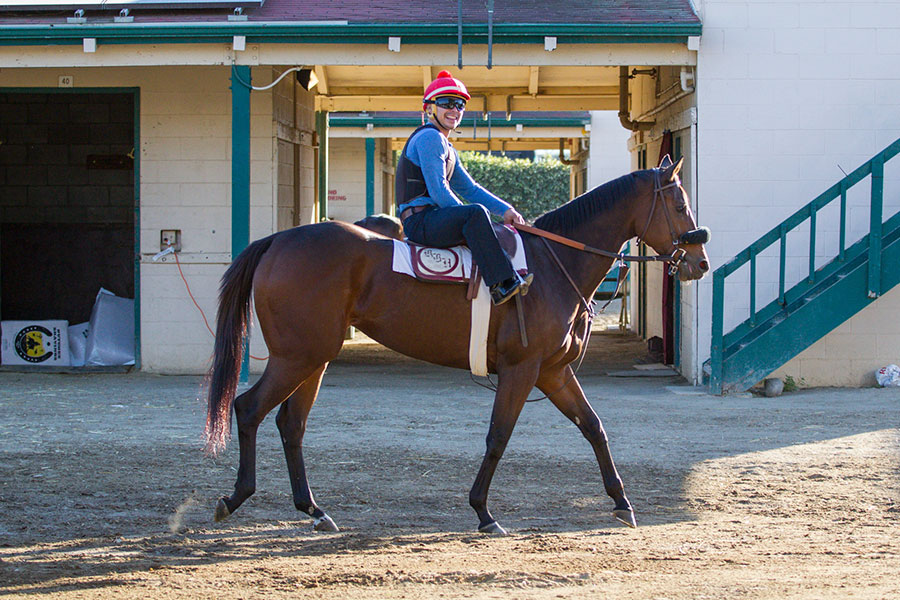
<point>609,232</point>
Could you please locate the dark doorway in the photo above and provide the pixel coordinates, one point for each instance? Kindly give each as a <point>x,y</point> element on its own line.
<point>67,201</point>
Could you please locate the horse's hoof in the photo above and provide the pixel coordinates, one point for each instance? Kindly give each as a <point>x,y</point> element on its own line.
<point>222,511</point>
<point>324,523</point>
<point>492,528</point>
<point>626,516</point>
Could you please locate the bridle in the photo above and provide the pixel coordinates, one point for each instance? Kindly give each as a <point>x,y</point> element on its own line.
<point>676,256</point>
<point>699,235</point>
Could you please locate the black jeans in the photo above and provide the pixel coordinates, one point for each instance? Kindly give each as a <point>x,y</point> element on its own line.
<point>468,224</point>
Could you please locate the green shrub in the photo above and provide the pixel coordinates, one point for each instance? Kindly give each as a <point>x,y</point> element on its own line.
<point>532,187</point>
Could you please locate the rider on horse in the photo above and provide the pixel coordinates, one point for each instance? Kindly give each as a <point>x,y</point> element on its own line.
<point>429,178</point>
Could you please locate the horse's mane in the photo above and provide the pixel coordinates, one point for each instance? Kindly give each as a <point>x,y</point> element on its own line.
<point>575,212</point>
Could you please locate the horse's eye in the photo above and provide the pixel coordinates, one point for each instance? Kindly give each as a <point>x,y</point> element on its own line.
<point>682,206</point>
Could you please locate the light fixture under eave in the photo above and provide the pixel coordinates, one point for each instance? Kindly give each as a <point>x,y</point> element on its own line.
<point>307,79</point>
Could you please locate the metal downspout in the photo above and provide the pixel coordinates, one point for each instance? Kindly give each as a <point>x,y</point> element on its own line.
<point>624,115</point>
<point>490,8</point>
<point>459,32</point>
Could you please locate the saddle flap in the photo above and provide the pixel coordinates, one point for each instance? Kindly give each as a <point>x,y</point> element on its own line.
<point>452,265</point>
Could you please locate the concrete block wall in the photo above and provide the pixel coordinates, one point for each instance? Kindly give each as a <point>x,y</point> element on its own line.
<point>789,94</point>
<point>47,139</point>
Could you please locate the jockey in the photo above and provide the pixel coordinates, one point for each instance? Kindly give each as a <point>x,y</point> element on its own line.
<point>429,182</point>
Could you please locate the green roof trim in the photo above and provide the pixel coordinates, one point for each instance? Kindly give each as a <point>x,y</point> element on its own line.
<point>415,121</point>
<point>343,33</point>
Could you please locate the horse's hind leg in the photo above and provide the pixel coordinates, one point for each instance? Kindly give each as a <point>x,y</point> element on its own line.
<point>566,394</point>
<point>291,422</point>
<point>277,383</point>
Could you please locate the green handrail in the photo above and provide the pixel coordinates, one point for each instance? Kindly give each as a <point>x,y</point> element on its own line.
<point>873,167</point>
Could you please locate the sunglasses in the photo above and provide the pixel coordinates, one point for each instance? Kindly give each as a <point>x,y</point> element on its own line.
<point>448,102</point>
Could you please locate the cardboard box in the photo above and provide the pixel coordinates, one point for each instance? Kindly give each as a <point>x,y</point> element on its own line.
<point>34,343</point>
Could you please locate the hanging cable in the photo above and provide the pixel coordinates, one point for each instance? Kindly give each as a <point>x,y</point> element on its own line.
<point>263,88</point>
<point>202,314</point>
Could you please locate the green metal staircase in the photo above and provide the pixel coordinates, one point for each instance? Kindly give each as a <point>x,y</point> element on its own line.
<point>806,312</point>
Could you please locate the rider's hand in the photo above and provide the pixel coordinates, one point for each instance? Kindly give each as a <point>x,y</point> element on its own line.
<point>512,216</point>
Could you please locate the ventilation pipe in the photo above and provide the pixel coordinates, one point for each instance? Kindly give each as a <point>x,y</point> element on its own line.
<point>573,160</point>
<point>627,123</point>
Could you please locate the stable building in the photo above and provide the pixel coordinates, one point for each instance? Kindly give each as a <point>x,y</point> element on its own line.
<point>217,163</point>
<point>130,125</point>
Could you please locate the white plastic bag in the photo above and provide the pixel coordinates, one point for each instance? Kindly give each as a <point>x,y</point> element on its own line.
<point>111,334</point>
<point>888,376</point>
<point>78,335</point>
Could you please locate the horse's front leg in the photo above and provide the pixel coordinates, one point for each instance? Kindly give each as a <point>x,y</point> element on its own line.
<point>514,384</point>
<point>566,394</point>
<point>291,420</point>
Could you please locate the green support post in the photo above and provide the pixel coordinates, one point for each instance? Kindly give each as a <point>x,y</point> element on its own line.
<point>875,226</point>
<point>240,176</point>
<point>322,136</point>
<point>370,176</point>
<point>717,349</point>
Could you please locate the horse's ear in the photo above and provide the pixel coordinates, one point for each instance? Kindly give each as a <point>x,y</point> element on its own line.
<point>666,162</point>
<point>671,171</point>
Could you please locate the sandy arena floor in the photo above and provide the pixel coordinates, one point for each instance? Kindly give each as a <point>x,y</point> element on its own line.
<point>105,492</point>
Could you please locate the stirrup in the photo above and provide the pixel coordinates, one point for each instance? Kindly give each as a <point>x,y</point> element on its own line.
<point>525,283</point>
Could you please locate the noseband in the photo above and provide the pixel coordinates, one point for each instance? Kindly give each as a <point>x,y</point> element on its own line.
<point>694,236</point>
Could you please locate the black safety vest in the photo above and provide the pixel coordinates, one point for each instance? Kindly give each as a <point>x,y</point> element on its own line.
<point>409,180</point>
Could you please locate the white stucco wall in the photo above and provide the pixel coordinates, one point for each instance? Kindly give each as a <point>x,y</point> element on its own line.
<point>789,94</point>
<point>347,179</point>
<point>609,156</point>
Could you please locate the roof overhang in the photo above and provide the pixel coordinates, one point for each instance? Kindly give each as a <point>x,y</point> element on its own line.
<point>360,70</point>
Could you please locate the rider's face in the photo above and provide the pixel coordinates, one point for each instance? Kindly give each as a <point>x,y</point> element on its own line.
<point>448,118</point>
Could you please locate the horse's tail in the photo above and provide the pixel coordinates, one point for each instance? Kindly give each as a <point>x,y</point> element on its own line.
<point>231,327</point>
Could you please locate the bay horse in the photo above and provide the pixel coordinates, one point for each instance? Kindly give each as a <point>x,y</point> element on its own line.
<point>311,282</point>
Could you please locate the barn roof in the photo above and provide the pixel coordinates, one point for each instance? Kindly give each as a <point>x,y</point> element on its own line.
<point>358,21</point>
<point>575,12</point>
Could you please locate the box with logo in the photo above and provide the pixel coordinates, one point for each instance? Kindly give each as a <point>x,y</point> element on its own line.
<point>34,343</point>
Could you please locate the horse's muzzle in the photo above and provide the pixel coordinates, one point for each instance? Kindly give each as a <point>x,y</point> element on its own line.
<point>695,236</point>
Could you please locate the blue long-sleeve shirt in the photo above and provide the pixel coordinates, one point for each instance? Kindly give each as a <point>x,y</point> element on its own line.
<point>429,150</point>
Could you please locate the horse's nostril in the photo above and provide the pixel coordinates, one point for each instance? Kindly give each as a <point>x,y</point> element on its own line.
<point>704,265</point>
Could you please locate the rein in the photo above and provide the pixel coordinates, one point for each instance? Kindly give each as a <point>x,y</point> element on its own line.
<point>674,258</point>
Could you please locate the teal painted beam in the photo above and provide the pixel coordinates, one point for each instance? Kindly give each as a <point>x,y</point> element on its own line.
<point>370,176</point>
<point>346,33</point>
<point>136,94</point>
<point>876,204</point>
<point>415,119</point>
<point>240,175</point>
<point>322,138</point>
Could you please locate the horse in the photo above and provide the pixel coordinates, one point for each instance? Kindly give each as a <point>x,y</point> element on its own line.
<point>387,225</point>
<point>311,282</point>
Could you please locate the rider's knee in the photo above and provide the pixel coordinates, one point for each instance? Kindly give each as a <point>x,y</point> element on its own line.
<point>478,211</point>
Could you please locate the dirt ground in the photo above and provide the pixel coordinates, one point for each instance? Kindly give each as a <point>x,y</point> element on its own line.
<point>105,492</point>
